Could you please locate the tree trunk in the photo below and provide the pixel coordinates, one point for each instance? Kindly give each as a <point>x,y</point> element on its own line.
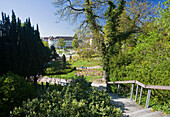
<point>106,76</point>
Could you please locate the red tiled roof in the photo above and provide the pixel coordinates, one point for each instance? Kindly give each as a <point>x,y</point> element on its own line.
<point>65,37</point>
<point>51,38</point>
<point>45,37</point>
<point>57,37</point>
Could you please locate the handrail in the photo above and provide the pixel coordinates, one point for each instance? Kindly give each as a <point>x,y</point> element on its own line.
<point>142,85</point>
<point>149,87</point>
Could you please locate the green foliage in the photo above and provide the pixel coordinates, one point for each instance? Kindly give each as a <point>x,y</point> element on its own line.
<point>57,68</point>
<point>61,43</point>
<point>53,71</point>
<point>21,49</point>
<point>13,90</point>
<point>164,12</point>
<point>86,63</point>
<point>75,43</point>
<point>64,58</point>
<point>86,53</point>
<point>112,47</point>
<point>77,99</point>
<point>54,54</point>
<point>147,62</point>
<point>64,61</point>
<point>45,43</point>
<point>60,52</point>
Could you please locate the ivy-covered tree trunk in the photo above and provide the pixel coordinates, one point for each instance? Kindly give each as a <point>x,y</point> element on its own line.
<point>114,37</point>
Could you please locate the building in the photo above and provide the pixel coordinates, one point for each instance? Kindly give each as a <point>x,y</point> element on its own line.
<point>53,41</point>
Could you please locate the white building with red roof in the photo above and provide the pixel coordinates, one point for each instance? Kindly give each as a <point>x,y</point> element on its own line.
<point>53,41</point>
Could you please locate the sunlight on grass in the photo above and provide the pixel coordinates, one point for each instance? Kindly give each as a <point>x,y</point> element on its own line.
<point>86,63</point>
<point>71,75</point>
<point>77,64</point>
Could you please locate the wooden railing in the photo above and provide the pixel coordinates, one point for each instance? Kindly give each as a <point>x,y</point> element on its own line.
<point>149,87</point>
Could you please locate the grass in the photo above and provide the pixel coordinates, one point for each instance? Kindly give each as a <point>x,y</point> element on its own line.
<point>92,78</point>
<point>79,63</point>
<point>63,76</point>
<point>86,63</point>
<point>71,75</point>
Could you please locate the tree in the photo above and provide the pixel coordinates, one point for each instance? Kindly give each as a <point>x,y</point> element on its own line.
<point>45,43</point>
<point>148,60</point>
<point>61,43</point>
<point>86,53</point>
<point>21,48</point>
<point>75,43</point>
<point>141,12</point>
<point>64,61</point>
<point>77,11</point>
<point>97,14</point>
<point>53,52</point>
<point>161,23</point>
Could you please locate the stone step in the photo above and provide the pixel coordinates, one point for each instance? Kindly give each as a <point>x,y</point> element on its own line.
<point>152,114</point>
<point>125,104</point>
<point>139,112</point>
<point>129,107</point>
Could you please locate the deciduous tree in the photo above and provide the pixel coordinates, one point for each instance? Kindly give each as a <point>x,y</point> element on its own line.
<point>75,43</point>
<point>61,43</point>
<point>97,15</point>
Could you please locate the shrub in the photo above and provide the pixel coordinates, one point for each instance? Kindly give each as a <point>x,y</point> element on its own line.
<point>147,62</point>
<point>77,99</point>
<point>13,90</point>
<point>56,68</point>
<point>86,53</point>
<point>52,71</point>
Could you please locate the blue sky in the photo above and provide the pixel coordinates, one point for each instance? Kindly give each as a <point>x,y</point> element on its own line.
<point>41,12</point>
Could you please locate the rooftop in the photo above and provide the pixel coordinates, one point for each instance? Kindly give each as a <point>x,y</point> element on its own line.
<point>57,37</point>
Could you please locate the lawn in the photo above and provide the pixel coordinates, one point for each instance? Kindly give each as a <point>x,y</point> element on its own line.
<point>71,75</point>
<point>77,64</point>
<point>86,63</point>
<point>63,76</point>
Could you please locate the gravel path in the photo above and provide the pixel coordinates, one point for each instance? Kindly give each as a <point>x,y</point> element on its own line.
<point>99,86</point>
<point>54,80</point>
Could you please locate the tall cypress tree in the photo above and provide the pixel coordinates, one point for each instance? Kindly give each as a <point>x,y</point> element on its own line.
<point>23,52</point>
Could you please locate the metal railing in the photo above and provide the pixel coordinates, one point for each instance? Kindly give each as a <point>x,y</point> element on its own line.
<point>149,87</point>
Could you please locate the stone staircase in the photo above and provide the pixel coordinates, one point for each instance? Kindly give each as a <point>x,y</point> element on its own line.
<point>129,107</point>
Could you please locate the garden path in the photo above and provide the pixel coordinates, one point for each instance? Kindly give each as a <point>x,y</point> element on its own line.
<point>94,67</point>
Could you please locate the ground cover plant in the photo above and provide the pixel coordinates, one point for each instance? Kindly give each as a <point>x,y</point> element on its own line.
<point>77,99</point>
<point>13,90</point>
